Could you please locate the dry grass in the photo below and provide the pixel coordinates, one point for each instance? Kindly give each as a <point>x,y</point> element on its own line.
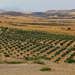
<point>52,29</point>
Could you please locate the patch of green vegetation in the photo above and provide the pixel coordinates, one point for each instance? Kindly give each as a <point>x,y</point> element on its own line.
<point>7,55</point>
<point>23,35</point>
<point>48,24</point>
<point>1,62</point>
<point>70,60</point>
<point>38,62</point>
<point>33,45</point>
<point>12,62</point>
<point>0,55</point>
<point>45,69</point>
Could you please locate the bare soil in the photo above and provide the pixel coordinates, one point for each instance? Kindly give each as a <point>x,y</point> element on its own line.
<point>33,69</point>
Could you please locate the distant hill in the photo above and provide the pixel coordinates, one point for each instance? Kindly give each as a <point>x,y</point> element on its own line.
<point>13,13</point>
<point>55,14</point>
<point>50,14</point>
<point>61,11</point>
<point>12,8</point>
<point>39,14</point>
<point>2,10</point>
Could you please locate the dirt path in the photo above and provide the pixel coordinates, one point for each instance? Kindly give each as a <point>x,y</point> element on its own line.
<point>33,69</point>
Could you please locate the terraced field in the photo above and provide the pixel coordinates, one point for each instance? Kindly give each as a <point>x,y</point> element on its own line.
<point>30,45</point>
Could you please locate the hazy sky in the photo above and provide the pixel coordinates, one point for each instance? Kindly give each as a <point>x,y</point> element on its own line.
<point>38,5</point>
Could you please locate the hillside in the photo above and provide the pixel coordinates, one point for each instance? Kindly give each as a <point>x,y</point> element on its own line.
<point>2,10</point>
<point>50,14</point>
<point>61,11</point>
<point>55,14</point>
<point>12,13</point>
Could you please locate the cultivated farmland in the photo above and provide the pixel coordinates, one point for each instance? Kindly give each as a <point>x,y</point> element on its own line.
<point>33,45</point>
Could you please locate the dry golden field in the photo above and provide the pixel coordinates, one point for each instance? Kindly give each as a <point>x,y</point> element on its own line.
<point>52,29</point>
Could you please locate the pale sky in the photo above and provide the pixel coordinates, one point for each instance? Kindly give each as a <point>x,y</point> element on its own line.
<point>38,5</point>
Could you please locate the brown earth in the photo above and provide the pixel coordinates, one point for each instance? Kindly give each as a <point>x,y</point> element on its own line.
<point>33,69</point>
